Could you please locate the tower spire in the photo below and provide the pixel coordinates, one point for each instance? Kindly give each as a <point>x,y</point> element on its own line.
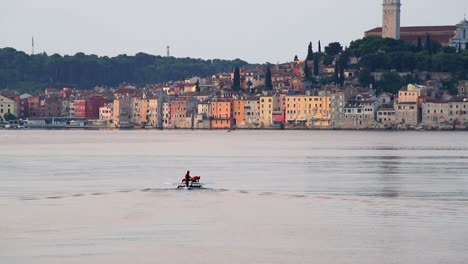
<point>32,45</point>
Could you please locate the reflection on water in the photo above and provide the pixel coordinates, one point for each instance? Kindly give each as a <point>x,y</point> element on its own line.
<point>389,175</point>
<point>270,197</point>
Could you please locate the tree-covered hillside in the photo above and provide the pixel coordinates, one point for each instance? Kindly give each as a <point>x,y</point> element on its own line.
<point>383,54</point>
<point>24,72</point>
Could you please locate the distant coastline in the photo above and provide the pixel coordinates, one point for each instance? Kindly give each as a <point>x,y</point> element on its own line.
<point>52,127</point>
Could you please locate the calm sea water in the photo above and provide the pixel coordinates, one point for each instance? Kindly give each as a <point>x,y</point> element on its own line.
<point>271,197</point>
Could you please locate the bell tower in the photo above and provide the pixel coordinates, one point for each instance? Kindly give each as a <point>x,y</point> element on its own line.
<point>391,19</point>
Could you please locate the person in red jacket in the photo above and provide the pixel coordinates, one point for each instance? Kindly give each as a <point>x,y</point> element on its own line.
<point>196,179</point>
<point>187,179</point>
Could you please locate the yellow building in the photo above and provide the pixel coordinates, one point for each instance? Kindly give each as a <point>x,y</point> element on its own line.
<point>190,88</point>
<point>7,106</point>
<point>154,112</point>
<point>122,111</point>
<point>308,111</point>
<point>143,117</point>
<point>270,104</point>
<point>410,94</point>
<point>252,113</point>
<point>266,110</point>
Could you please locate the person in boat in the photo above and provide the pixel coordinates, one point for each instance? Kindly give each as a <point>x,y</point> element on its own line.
<point>196,179</point>
<point>187,179</point>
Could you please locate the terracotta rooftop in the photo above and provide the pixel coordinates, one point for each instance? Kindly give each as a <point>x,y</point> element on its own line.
<point>418,29</point>
<point>441,34</point>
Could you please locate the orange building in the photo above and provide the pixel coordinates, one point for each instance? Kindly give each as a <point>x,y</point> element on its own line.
<point>221,113</point>
<point>144,106</point>
<point>178,112</point>
<point>238,110</point>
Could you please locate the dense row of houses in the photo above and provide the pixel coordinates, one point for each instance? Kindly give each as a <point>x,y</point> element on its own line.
<point>210,103</point>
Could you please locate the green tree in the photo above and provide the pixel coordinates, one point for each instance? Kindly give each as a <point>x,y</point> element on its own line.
<point>27,73</point>
<point>249,84</point>
<point>451,86</point>
<point>365,78</point>
<point>319,47</point>
<point>316,65</point>
<point>419,46</point>
<point>236,82</point>
<point>390,82</point>
<point>427,44</point>
<point>268,81</point>
<point>197,86</point>
<point>432,46</point>
<point>449,49</point>
<point>341,65</point>
<point>336,74</point>
<point>333,49</point>
<point>327,59</point>
<point>9,116</point>
<point>307,73</point>
<point>310,53</point>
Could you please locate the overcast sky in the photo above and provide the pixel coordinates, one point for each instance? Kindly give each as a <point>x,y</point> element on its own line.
<point>253,30</point>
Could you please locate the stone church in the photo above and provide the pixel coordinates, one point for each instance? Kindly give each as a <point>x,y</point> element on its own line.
<point>453,35</point>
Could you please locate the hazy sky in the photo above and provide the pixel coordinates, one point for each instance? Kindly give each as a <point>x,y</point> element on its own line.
<point>253,30</point>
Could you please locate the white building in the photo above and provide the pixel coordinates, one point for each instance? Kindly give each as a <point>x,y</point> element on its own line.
<point>460,40</point>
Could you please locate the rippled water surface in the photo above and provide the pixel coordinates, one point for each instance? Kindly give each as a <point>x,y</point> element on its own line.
<point>271,197</point>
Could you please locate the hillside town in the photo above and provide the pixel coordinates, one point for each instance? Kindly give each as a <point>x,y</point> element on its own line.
<point>212,103</point>
<point>395,78</point>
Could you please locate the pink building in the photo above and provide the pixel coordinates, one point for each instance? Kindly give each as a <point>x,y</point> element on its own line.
<point>79,109</point>
<point>278,117</point>
<point>105,112</point>
<point>92,106</point>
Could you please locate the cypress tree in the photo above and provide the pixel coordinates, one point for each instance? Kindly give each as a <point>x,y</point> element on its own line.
<point>335,73</point>
<point>310,53</point>
<point>319,47</point>
<point>419,46</point>
<point>236,82</point>
<point>428,44</point>
<point>268,82</point>
<point>197,86</point>
<point>307,75</point>
<point>339,72</point>
<point>341,60</point>
<point>316,65</point>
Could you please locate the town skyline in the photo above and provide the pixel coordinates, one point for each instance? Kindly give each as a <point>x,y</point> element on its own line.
<point>96,28</point>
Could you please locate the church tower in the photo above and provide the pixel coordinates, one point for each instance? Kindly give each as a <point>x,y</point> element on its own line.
<point>391,19</point>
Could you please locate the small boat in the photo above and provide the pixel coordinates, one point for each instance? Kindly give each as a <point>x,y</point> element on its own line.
<point>192,185</point>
